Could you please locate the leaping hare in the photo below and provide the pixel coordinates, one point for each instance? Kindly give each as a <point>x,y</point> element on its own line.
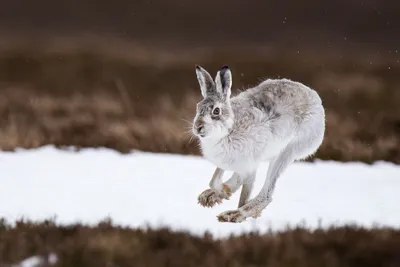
<point>279,121</point>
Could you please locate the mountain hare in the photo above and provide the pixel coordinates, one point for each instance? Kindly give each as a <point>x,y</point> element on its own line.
<point>279,121</point>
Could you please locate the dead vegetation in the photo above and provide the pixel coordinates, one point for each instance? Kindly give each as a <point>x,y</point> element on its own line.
<point>90,93</point>
<point>107,244</point>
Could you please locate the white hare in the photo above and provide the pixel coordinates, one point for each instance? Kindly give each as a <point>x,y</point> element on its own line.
<point>279,121</point>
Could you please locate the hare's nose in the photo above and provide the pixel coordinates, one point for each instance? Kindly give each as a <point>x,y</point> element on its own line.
<point>200,129</point>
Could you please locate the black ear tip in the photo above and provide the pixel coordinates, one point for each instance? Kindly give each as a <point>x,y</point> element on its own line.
<point>198,67</point>
<point>223,70</point>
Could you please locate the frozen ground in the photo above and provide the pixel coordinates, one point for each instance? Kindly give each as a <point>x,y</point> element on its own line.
<point>159,189</point>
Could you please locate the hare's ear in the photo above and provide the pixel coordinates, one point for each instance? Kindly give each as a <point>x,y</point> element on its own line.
<point>223,82</point>
<point>206,83</point>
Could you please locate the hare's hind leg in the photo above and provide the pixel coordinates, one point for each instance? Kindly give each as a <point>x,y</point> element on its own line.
<point>247,188</point>
<point>219,190</point>
<point>255,206</point>
<point>305,144</point>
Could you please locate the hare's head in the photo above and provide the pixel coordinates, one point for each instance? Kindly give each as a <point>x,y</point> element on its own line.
<point>214,115</point>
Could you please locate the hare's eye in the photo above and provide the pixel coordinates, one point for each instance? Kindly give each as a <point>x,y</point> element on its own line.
<point>216,111</point>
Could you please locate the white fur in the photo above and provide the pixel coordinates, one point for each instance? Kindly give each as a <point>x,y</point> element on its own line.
<point>279,121</point>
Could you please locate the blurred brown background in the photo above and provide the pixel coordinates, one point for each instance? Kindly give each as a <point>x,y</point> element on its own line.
<point>365,23</point>
<point>120,74</point>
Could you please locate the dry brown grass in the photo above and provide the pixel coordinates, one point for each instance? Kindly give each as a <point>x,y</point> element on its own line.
<point>91,121</point>
<point>107,244</point>
<point>93,92</point>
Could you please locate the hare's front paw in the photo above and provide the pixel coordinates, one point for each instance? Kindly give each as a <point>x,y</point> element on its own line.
<point>212,196</point>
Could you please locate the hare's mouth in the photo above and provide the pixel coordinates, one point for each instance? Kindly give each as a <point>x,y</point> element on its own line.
<point>202,135</point>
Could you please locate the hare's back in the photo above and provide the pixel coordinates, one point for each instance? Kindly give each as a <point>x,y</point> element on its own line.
<point>286,91</point>
<point>282,94</point>
<point>281,101</point>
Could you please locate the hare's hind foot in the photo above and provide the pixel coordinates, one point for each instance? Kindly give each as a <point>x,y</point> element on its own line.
<point>211,196</point>
<point>236,216</point>
<point>241,214</point>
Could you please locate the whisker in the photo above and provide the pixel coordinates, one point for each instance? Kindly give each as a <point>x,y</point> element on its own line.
<point>190,122</point>
<point>189,131</point>
<point>190,139</point>
<point>188,127</point>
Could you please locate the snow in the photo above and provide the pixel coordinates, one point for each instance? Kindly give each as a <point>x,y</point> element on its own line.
<point>36,261</point>
<point>141,189</point>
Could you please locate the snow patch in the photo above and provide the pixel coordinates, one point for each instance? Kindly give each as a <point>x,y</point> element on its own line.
<point>141,188</point>
<point>35,261</point>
